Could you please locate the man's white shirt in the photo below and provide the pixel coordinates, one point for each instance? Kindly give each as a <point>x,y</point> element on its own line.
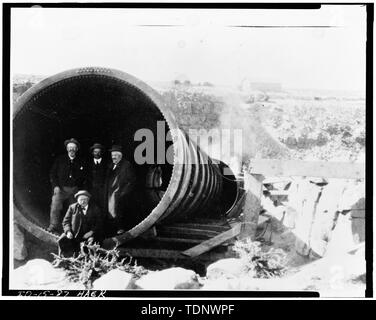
<point>84,210</point>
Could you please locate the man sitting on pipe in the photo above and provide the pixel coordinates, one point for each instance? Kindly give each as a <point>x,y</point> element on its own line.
<point>67,176</point>
<point>120,182</point>
<point>82,222</point>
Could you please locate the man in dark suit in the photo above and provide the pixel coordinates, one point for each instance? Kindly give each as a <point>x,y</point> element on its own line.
<point>67,176</point>
<point>96,175</point>
<point>82,222</point>
<point>120,183</point>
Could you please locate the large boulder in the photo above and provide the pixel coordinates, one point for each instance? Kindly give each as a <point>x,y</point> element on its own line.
<point>325,216</point>
<point>319,228</point>
<point>226,268</point>
<point>37,274</point>
<point>305,202</point>
<point>336,275</point>
<point>172,278</point>
<point>349,230</point>
<point>248,283</point>
<point>342,275</point>
<point>69,285</point>
<point>19,248</point>
<point>114,280</point>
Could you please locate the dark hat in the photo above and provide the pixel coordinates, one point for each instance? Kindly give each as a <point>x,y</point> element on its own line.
<point>116,148</point>
<point>72,140</point>
<point>97,146</point>
<point>82,193</point>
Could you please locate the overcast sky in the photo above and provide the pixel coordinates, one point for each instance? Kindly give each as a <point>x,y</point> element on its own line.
<point>202,45</point>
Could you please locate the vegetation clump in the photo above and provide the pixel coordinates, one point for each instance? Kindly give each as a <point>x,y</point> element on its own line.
<point>259,263</point>
<point>93,261</point>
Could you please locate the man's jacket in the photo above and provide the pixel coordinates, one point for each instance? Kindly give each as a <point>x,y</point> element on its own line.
<point>96,174</point>
<point>67,173</point>
<point>79,224</point>
<point>120,182</point>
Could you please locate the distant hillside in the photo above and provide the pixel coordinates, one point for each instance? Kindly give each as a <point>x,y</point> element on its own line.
<point>23,78</point>
<point>302,124</point>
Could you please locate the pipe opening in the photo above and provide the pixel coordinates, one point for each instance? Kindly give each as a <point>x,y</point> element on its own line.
<point>230,188</point>
<point>90,108</point>
<point>109,107</point>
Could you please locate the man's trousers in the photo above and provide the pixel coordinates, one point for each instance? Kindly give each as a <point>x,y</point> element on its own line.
<point>58,198</point>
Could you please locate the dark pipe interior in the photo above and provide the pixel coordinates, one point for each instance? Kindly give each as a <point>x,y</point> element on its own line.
<point>230,188</point>
<point>90,108</point>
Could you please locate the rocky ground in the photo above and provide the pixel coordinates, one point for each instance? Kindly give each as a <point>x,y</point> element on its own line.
<point>342,275</point>
<point>34,248</point>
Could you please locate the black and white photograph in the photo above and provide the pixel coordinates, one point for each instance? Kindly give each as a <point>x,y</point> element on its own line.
<point>190,150</point>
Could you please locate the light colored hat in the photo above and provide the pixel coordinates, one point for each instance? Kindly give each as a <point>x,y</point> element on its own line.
<point>82,193</point>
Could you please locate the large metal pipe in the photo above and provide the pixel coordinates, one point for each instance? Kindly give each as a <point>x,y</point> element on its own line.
<point>106,105</point>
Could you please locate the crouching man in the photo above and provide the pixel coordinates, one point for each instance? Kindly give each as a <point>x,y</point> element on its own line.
<point>82,222</point>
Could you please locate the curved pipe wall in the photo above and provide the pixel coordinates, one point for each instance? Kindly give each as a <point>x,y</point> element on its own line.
<point>106,105</point>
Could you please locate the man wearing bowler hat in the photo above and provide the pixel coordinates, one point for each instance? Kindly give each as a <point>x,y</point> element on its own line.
<point>82,222</point>
<point>120,182</point>
<point>96,174</point>
<point>67,177</point>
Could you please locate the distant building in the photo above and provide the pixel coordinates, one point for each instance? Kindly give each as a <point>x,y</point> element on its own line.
<point>247,85</point>
<point>266,86</point>
<point>181,79</point>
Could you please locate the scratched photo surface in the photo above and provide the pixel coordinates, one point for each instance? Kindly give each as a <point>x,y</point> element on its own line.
<point>187,149</point>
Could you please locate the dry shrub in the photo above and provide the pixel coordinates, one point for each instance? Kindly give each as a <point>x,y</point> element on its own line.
<point>93,261</point>
<point>262,264</point>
